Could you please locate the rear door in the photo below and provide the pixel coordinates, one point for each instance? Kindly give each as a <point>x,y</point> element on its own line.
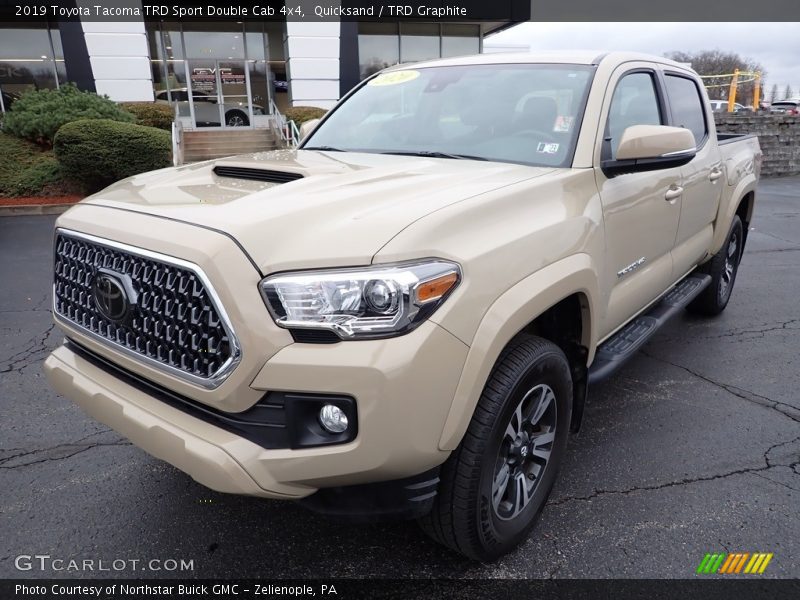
<point>640,210</point>
<point>702,179</point>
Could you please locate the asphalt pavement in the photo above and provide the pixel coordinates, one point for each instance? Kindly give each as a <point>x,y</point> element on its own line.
<point>693,447</point>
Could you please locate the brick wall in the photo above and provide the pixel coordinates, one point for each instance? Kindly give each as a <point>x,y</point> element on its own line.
<point>778,135</point>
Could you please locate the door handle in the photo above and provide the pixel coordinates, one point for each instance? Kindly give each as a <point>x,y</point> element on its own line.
<point>673,193</point>
<point>714,174</point>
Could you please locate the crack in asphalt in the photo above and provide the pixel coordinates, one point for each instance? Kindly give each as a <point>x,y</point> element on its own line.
<point>26,357</point>
<point>77,442</point>
<point>660,486</point>
<point>773,250</point>
<point>79,448</point>
<point>776,405</point>
<point>775,237</point>
<point>763,330</point>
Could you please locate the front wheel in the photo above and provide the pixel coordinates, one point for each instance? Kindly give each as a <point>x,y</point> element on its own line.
<point>722,267</point>
<point>236,118</point>
<point>495,484</point>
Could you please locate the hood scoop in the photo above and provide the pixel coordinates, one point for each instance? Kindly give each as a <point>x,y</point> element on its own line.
<point>256,174</point>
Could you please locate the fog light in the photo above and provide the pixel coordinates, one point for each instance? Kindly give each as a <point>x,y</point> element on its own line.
<point>333,418</point>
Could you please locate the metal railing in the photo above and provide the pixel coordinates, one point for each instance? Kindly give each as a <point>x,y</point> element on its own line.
<point>177,139</point>
<point>285,128</point>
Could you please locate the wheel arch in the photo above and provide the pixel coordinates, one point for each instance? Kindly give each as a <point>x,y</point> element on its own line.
<point>556,303</point>
<point>742,202</point>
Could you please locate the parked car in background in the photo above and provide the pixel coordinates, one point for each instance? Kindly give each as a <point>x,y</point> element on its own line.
<point>206,109</point>
<point>722,106</point>
<point>790,106</point>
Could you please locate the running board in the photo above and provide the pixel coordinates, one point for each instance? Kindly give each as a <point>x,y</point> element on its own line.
<point>616,350</point>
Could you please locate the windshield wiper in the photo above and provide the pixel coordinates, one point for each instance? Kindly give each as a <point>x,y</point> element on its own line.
<point>323,148</point>
<point>435,154</point>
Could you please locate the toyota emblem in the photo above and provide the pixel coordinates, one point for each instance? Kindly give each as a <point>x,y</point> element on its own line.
<point>110,297</point>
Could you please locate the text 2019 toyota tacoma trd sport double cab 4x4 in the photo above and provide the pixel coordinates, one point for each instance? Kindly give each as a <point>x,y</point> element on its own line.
<point>402,317</point>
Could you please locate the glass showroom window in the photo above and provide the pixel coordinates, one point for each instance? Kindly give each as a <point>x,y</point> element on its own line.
<point>460,40</point>
<point>30,59</point>
<point>378,47</point>
<point>419,41</point>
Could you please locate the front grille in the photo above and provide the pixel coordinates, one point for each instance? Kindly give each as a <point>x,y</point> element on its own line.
<point>172,321</point>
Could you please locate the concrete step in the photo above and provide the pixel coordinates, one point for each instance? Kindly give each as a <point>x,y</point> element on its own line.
<point>203,145</point>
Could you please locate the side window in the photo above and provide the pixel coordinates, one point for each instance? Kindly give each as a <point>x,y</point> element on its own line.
<point>634,103</point>
<point>687,106</point>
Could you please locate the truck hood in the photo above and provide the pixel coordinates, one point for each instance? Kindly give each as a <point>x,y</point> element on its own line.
<point>340,211</point>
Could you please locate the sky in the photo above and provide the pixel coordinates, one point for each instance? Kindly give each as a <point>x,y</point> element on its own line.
<point>775,45</point>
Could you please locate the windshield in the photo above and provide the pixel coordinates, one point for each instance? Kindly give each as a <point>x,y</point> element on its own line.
<point>520,113</point>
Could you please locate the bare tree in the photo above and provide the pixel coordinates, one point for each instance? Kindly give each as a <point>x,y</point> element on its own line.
<point>773,95</point>
<point>788,93</point>
<point>717,62</point>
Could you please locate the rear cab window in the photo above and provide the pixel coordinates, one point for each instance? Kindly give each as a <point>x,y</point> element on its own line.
<point>686,105</point>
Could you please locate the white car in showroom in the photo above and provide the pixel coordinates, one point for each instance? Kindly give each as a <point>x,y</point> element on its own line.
<point>207,110</point>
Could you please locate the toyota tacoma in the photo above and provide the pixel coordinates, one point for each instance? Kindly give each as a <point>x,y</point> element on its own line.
<point>401,318</point>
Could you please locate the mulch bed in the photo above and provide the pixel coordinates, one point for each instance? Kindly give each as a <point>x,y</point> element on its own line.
<point>39,200</point>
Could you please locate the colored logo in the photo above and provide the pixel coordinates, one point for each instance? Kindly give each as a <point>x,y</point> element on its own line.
<point>734,564</point>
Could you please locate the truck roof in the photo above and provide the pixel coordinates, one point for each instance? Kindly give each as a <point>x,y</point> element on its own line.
<point>580,57</point>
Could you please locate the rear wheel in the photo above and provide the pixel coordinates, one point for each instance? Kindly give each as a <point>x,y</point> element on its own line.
<point>495,484</point>
<point>722,267</point>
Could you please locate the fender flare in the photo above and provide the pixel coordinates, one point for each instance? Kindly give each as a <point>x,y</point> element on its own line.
<point>507,316</point>
<point>727,209</point>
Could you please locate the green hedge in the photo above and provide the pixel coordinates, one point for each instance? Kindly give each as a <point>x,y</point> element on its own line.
<point>38,115</point>
<point>26,170</point>
<point>301,114</point>
<point>100,152</point>
<point>151,114</point>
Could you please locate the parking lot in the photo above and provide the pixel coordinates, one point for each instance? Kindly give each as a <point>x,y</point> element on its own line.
<point>693,447</point>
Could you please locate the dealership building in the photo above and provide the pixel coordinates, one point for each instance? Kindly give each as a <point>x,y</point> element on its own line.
<point>226,74</point>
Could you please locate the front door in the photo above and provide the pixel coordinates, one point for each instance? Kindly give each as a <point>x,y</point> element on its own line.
<point>219,93</point>
<point>640,210</point>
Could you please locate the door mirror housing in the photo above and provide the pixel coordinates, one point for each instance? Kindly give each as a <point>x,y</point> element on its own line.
<point>307,128</point>
<point>651,147</point>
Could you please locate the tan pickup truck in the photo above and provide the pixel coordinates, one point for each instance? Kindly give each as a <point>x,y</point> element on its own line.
<point>402,317</point>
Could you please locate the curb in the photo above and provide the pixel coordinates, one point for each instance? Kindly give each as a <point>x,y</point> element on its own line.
<point>34,209</point>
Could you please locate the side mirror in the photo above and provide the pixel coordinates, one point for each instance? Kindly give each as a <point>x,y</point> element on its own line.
<point>651,147</point>
<point>307,128</point>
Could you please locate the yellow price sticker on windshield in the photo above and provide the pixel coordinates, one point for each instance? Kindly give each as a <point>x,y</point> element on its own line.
<point>394,77</point>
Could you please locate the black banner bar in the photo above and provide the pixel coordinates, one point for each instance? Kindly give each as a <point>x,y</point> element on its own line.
<point>717,588</point>
<point>421,10</point>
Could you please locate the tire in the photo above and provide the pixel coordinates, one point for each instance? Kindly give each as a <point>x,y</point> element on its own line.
<point>475,514</point>
<point>236,118</point>
<point>722,267</point>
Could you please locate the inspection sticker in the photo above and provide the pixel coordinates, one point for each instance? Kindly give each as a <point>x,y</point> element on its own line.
<point>394,77</point>
<point>544,148</point>
<point>563,124</point>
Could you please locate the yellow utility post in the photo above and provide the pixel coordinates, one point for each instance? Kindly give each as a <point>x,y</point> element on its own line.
<point>757,92</point>
<point>732,92</point>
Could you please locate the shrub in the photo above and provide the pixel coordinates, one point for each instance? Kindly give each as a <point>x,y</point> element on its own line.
<point>301,114</point>
<point>37,115</point>
<point>41,177</point>
<point>100,152</point>
<point>151,114</point>
<point>26,170</point>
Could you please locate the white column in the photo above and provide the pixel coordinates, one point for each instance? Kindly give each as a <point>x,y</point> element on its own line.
<point>120,59</point>
<point>312,61</point>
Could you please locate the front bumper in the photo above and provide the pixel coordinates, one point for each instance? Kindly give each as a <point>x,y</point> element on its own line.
<point>403,389</point>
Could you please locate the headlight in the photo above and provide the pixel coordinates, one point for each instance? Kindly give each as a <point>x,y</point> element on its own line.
<point>368,302</point>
